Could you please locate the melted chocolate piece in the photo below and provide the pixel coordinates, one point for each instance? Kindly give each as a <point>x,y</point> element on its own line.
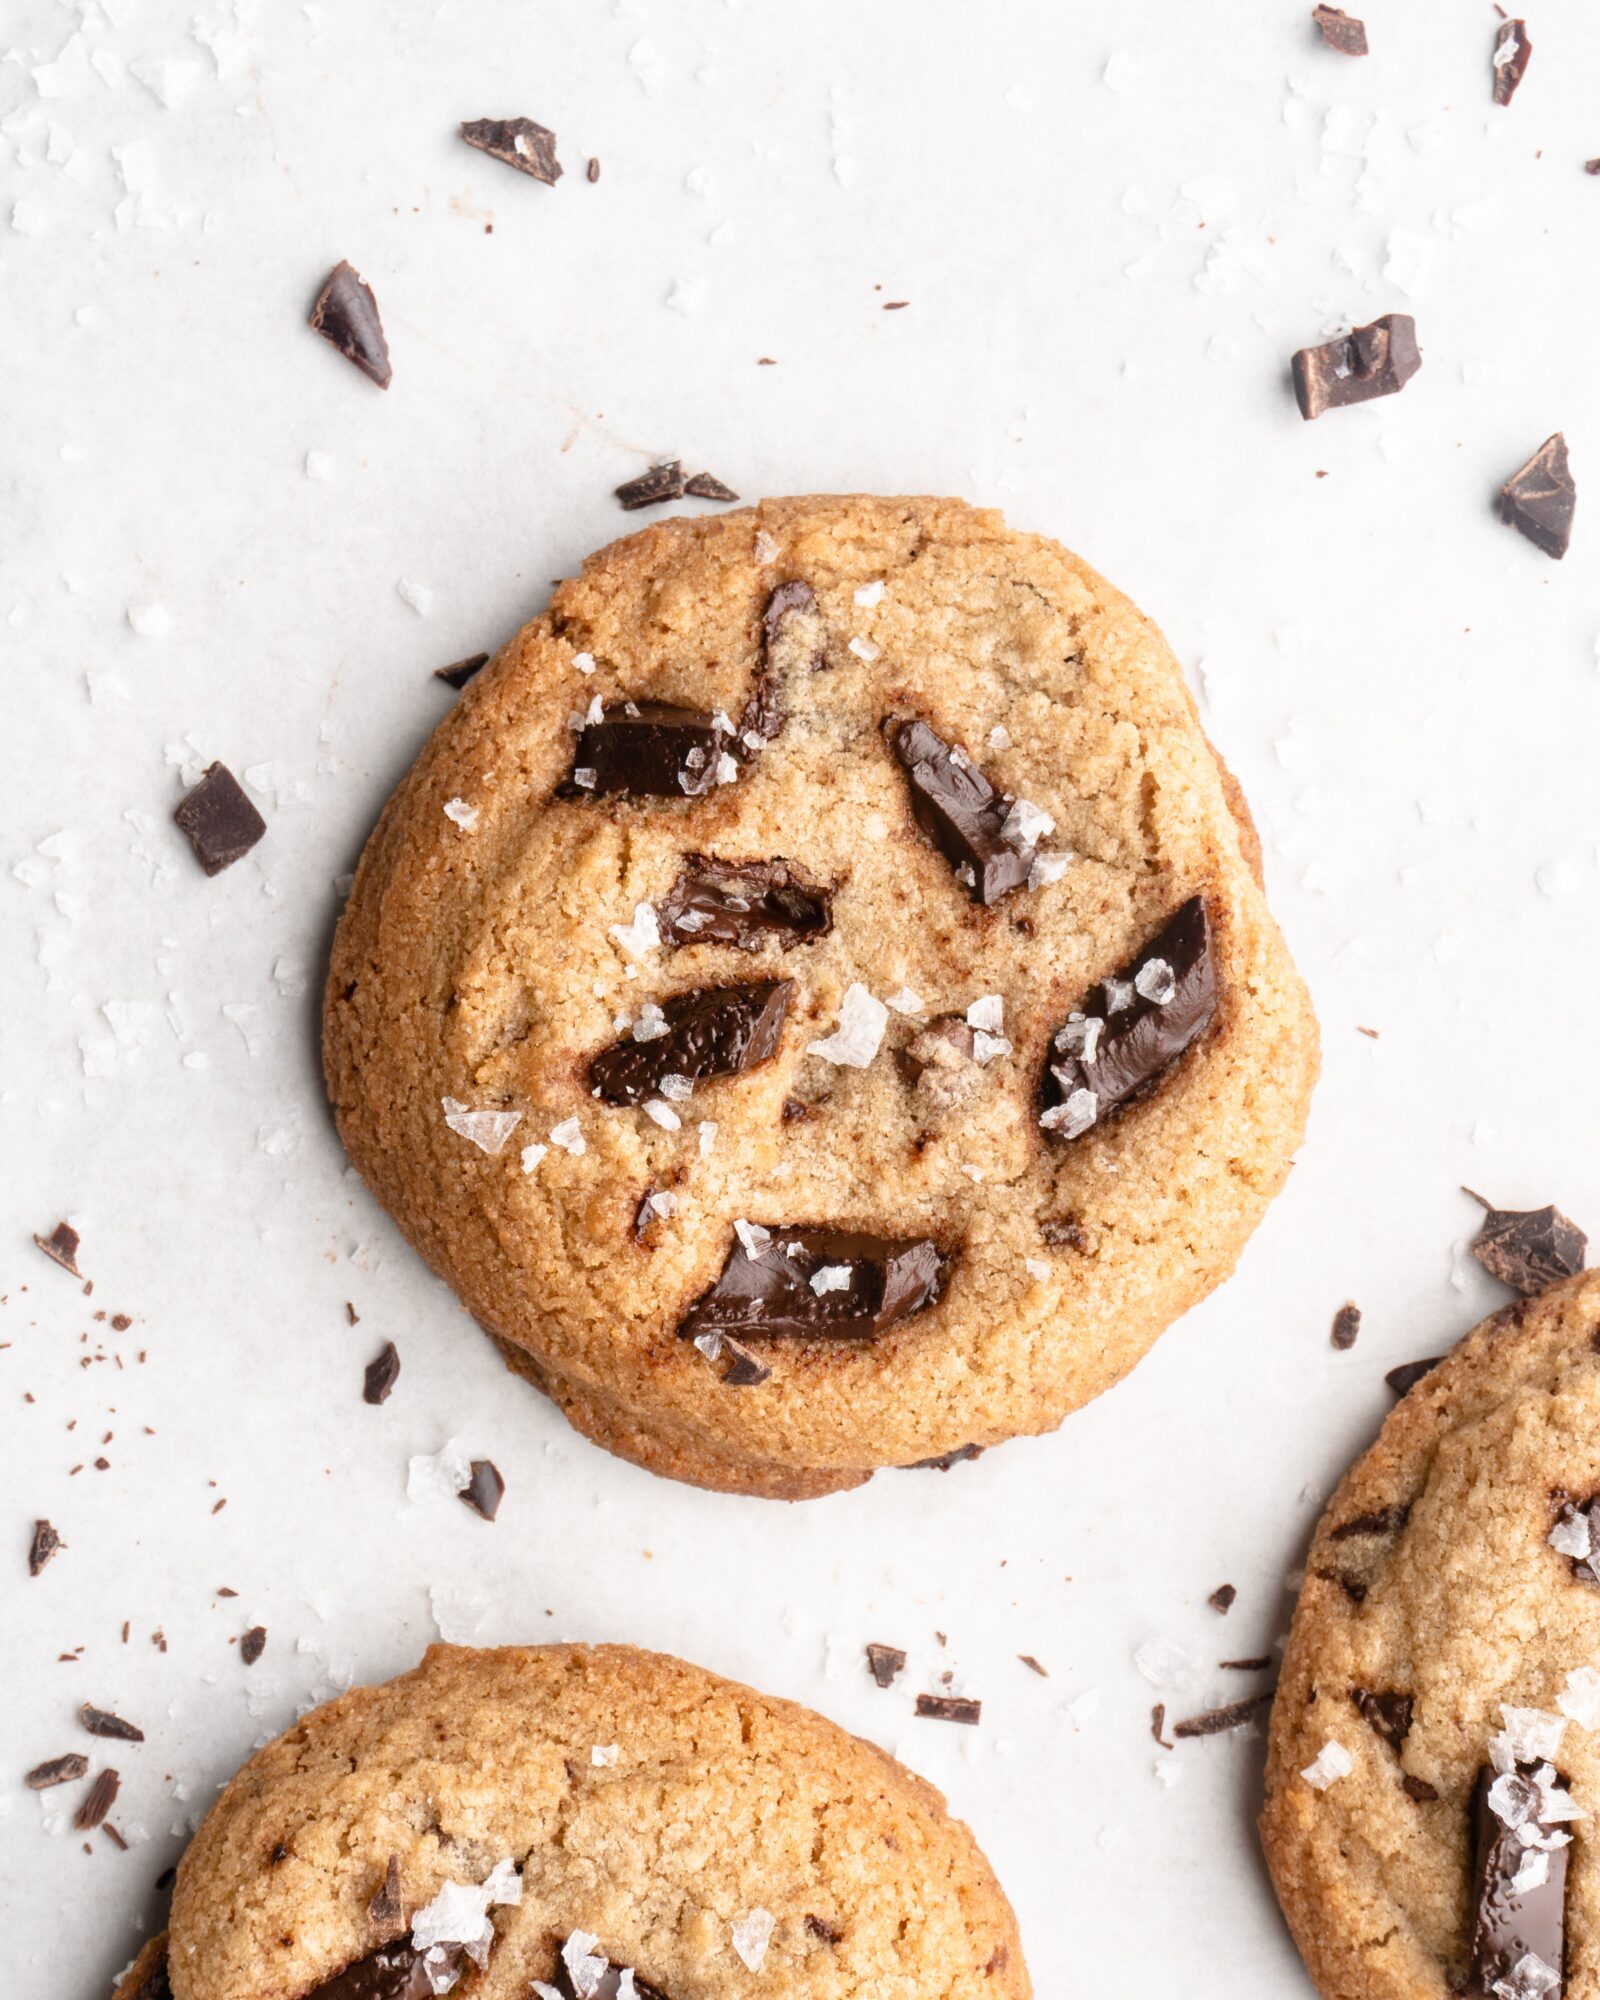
<point>1121,1038</point>
<point>661,482</point>
<point>392,1972</point>
<point>606,1989</point>
<point>885,1280</point>
<point>1511,1924</point>
<point>522,144</point>
<point>1385,1712</point>
<point>651,749</point>
<point>959,810</point>
<point>381,1374</point>
<point>1369,361</point>
<point>221,823</point>
<point>716,1031</point>
<point>1529,1248</point>
<point>1410,1373</point>
<point>743,904</point>
<point>1540,499</point>
<point>346,314</point>
<point>1342,32</point>
<point>1383,1521</point>
<point>1511,52</point>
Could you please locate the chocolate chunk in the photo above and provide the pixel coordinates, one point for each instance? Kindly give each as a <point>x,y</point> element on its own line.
<point>1342,32</point>
<point>651,749</point>
<point>1540,499</point>
<point>791,643</point>
<point>743,1370</point>
<point>101,1722</point>
<point>1128,1029</point>
<point>57,1771</point>
<point>61,1247</point>
<point>661,482</point>
<point>1509,1924</point>
<point>1158,1722</point>
<point>743,904</point>
<point>1221,1599</point>
<point>522,144</point>
<point>960,811</point>
<point>43,1546</point>
<point>382,1372</point>
<point>346,314</point>
<point>819,1928</point>
<point>1382,1521</point>
<point>1346,1325</point>
<point>707,486</point>
<point>1511,52</point>
<point>1410,1373</point>
<point>1232,1715</point>
<point>714,1031</point>
<point>871,1283</point>
<point>221,823</point>
<point>458,674</point>
<point>605,1988</point>
<point>485,1490</point>
<point>1529,1248</point>
<point>1369,361</point>
<point>98,1801</point>
<point>386,1909</point>
<point>948,1708</point>
<point>393,1972</point>
<point>253,1644</point>
<point>886,1663</point>
<point>1387,1713</point>
<point>943,1462</point>
<point>1033,1666</point>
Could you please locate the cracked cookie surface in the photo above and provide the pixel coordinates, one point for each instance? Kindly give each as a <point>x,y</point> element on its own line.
<point>957,781</point>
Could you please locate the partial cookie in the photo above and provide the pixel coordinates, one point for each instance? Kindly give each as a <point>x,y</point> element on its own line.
<point>591,1824</point>
<point>811,998</point>
<point>1435,1752</point>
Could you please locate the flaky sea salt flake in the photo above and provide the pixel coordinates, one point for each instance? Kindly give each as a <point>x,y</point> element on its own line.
<point>904,1002</point>
<point>989,1013</point>
<point>585,1966</point>
<point>1528,1736</point>
<point>1026,824</point>
<point>531,1156</point>
<point>1155,981</point>
<point>1332,1762</point>
<point>1073,1118</point>
<point>643,935</point>
<point>859,1035</point>
<point>751,1935</point>
<point>441,1474</point>
<point>569,1137</point>
<point>661,1114</point>
<point>831,1278</point>
<point>603,1756</point>
<point>488,1130</point>
<point>465,816</point>
<point>866,649</point>
<point>1579,1701</point>
<point>752,1238</point>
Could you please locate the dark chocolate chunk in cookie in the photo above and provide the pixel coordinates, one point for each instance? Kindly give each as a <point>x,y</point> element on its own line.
<point>651,749</point>
<point>1385,1712</point>
<point>1132,1026</point>
<point>791,642</point>
<point>1541,497</point>
<point>818,1284</point>
<point>393,1972</point>
<point>744,904</point>
<point>220,821</point>
<point>1576,1535</point>
<point>1511,52</point>
<point>717,1031</point>
<point>1369,361</point>
<point>604,1985</point>
<point>961,812</point>
<point>1528,1248</point>
<point>1519,1885</point>
<point>1342,32</point>
<point>522,144</point>
<point>1406,1377</point>
<point>346,314</point>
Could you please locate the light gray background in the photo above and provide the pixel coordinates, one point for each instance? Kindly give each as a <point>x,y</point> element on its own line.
<point>1113,226</point>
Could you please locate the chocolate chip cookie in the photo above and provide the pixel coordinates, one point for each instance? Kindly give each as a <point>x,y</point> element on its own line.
<point>813,999</point>
<point>577,1824</point>
<point>1435,1754</point>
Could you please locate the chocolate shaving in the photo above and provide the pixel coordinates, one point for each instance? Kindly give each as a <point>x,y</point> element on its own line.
<point>221,823</point>
<point>885,1280</point>
<point>253,1644</point>
<point>650,749</point>
<point>1221,1599</point>
<point>57,1771</point>
<point>959,810</point>
<point>1511,1924</point>
<point>948,1708</point>
<point>522,144</point>
<point>346,314</point>
<point>485,1490</point>
<point>61,1247</point>
<point>386,1910</point>
<point>1346,1325</point>
<point>1388,1714</point>
<point>43,1546</point>
<point>1232,1715</point>
<point>461,671</point>
<point>1410,1373</point>
<point>886,1663</point>
<point>1255,1665</point>
<point>712,1032</point>
<point>1369,361</point>
<point>1158,1722</point>
<point>706,486</point>
<point>744,904</point>
<point>98,1801</point>
<point>1511,52</point>
<point>1343,33</point>
<point>1033,1666</point>
<point>381,1374</point>
<point>661,482</point>
<point>101,1722</point>
<point>1528,1249</point>
<point>1541,497</point>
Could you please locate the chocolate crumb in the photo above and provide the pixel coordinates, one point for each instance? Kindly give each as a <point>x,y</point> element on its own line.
<point>346,315</point>
<point>381,1374</point>
<point>1418,1789</point>
<point>661,482</point>
<point>1158,1722</point>
<point>101,1797</point>
<point>57,1771</point>
<point>117,1841</point>
<point>385,1909</point>
<point>1591,166</point>
<point>459,672</point>
<point>253,1644</point>
<point>1033,1666</point>
<point>1527,1249</point>
<point>1541,497</point>
<point>591,173</point>
<point>43,1546</point>
<point>1511,52</point>
<point>1221,1599</point>
<point>484,1491</point>
<point>101,1722</point>
<point>1232,1715</point>
<point>818,1928</point>
<point>1255,1665</point>
<point>1342,32</point>
<point>1346,1325</point>
<point>948,1708</point>
<point>522,144</point>
<point>707,486</point>
<point>61,1247</point>
<point>886,1663</point>
<point>1410,1373</point>
<point>219,820</point>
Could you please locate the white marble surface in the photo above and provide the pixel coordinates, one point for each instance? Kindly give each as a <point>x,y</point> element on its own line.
<point>1113,226</point>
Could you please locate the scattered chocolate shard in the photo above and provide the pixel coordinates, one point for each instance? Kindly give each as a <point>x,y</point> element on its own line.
<point>522,144</point>
<point>742,1369</point>
<point>1511,52</point>
<point>711,1032</point>
<point>1418,1789</point>
<point>253,1644</point>
<point>948,1708</point>
<point>1131,1027</point>
<point>650,749</point>
<point>707,486</point>
<point>744,904</point>
<point>1257,1663</point>
<point>591,173</point>
<point>386,1909</point>
<point>1369,361</point>
<point>381,1374</point>
<point>1410,1373</point>
<point>1528,1249</point>
<point>1381,1521</point>
<point>57,1771</point>
<point>346,314</point>
<point>101,1722</point>
<point>61,1247</point>
<point>461,671</point>
<point>1511,1925</point>
<point>886,1663</point>
<point>870,1283</point>
<point>1221,1599</point>
<point>485,1490</point>
<point>1388,1714</point>
<point>1033,1666</point>
<point>1343,33</point>
<point>1540,499</point>
<point>1158,1722</point>
<point>221,823</point>
<point>395,1971</point>
<point>44,1545</point>
<point>1232,1715</point>
<point>960,811</point>
<point>818,1927</point>
<point>661,482</point>
<point>1346,1325</point>
<point>98,1801</point>
<point>945,1459</point>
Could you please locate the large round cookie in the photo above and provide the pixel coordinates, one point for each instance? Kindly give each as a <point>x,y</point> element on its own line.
<point>1438,1719</point>
<point>611,987</point>
<point>545,1820</point>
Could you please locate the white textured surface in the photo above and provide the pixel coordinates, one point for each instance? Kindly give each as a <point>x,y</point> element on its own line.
<point>1113,226</point>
